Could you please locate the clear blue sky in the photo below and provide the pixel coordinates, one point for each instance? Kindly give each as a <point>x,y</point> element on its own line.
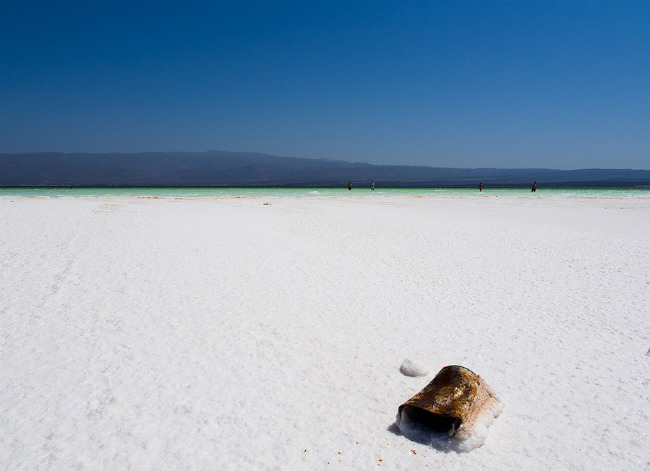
<point>456,84</point>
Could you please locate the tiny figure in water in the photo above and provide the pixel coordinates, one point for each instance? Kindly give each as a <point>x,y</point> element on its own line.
<point>534,187</point>
<point>480,186</point>
<point>349,185</point>
<point>372,185</point>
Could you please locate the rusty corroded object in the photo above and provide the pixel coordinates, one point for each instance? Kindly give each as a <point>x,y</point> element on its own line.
<point>454,402</point>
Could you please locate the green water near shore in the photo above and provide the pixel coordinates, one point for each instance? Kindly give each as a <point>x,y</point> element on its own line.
<point>257,192</point>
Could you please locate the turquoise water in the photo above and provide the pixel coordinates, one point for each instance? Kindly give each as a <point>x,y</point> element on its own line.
<point>313,192</point>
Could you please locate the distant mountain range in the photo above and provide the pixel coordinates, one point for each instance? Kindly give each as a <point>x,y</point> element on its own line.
<point>217,168</point>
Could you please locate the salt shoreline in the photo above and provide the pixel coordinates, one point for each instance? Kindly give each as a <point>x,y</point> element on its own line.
<point>209,333</point>
<point>307,192</point>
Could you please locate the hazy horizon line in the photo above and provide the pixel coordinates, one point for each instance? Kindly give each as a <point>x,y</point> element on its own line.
<point>311,158</point>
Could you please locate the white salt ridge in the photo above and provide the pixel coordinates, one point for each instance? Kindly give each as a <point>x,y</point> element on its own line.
<point>412,368</point>
<point>184,334</point>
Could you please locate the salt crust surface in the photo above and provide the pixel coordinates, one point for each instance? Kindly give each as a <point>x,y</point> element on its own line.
<point>228,334</point>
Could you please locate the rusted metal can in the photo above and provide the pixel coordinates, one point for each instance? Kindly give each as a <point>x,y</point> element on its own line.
<point>454,402</point>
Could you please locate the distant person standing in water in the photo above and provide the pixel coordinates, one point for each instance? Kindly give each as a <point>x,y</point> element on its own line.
<point>349,185</point>
<point>372,185</point>
<point>480,186</point>
<point>534,188</point>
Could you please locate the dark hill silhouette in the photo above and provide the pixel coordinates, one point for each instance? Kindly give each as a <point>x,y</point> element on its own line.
<point>217,168</point>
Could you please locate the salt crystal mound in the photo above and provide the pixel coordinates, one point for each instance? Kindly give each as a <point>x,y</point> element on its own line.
<point>411,368</point>
<point>452,413</point>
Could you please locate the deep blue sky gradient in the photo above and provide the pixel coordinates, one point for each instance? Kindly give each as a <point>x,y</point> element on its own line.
<point>457,84</point>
